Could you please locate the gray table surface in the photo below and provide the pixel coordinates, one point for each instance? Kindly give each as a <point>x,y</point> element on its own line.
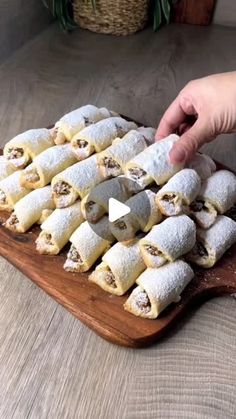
<point>51,366</point>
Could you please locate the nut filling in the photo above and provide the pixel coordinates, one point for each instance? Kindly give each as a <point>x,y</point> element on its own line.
<point>120,224</point>
<point>86,121</point>
<point>3,198</point>
<point>169,198</point>
<point>198,206</point>
<point>153,250</point>
<point>82,143</point>
<point>74,255</point>
<point>137,173</point>
<point>13,220</point>
<point>48,239</point>
<point>110,279</point>
<point>31,176</point>
<point>143,302</point>
<point>201,250</point>
<point>15,153</point>
<point>110,163</point>
<point>61,188</point>
<point>89,206</point>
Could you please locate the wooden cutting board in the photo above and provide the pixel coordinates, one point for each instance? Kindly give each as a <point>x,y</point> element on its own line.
<point>101,311</point>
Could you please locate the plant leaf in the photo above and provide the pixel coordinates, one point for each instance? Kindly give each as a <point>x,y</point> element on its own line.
<point>94,5</point>
<point>157,18</point>
<point>166,10</point>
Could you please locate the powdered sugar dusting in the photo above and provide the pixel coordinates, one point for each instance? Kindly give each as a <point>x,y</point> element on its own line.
<point>154,160</point>
<point>34,141</point>
<point>203,164</point>
<point>220,236</point>
<point>186,182</point>
<point>174,237</point>
<point>101,134</point>
<point>220,189</point>
<point>166,282</point>
<point>6,168</point>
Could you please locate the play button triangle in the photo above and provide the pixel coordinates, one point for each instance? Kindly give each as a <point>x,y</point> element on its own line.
<point>117,209</point>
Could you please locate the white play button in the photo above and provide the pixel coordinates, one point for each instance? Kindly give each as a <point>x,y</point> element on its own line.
<point>116,210</point>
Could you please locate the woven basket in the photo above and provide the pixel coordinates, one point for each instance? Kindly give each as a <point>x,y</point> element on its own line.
<point>118,17</point>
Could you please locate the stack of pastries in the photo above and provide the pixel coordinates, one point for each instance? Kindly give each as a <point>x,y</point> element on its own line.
<point>62,179</point>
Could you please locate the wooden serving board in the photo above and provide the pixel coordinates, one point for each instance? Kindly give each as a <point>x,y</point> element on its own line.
<point>99,310</point>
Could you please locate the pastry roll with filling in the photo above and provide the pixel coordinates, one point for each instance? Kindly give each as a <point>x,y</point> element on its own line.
<point>96,203</point>
<point>203,165</point>
<point>6,168</point>
<point>76,182</point>
<point>29,210</point>
<point>23,148</point>
<point>211,244</point>
<point>175,197</point>
<point>11,191</point>
<point>99,136</point>
<point>58,228</point>
<point>87,245</point>
<point>113,160</point>
<point>216,196</point>
<point>158,288</point>
<point>120,267</point>
<point>144,213</point>
<point>46,165</point>
<point>153,164</point>
<point>148,133</point>
<point>73,122</point>
<point>168,241</point>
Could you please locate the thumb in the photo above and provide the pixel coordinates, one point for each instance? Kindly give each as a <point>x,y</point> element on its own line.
<point>189,143</point>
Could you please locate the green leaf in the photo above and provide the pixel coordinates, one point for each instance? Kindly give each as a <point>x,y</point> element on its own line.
<point>157,18</point>
<point>166,10</point>
<point>94,5</point>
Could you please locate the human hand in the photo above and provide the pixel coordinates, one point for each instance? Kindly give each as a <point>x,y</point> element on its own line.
<point>205,108</point>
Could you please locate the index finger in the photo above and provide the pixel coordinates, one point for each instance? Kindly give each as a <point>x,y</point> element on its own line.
<point>171,120</point>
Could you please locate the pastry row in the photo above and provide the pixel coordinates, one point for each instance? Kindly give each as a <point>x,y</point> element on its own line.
<point>71,180</point>
<point>124,264</point>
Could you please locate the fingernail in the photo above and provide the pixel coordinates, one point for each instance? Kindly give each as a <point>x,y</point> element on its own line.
<point>177,155</point>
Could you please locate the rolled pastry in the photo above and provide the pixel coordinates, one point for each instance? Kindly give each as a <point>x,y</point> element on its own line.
<point>11,191</point>
<point>75,121</point>
<point>99,136</point>
<point>45,214</point>
<point>153,164</point>
<point>203,165</point>
<point>23,148</point>
<point>158,288</point>
<point>175,197</point>
<point>144,213</point>
<point>58,228</point>
<point>96,203</point>
<point>211,244</point>
<point>46,165</point>
<point>6,168</point>
<point>29,209</point>
<point>168,241</point>
<point>217,195</point>
<point>113,160</point>
<point>120,267</point>
<point>75,182</point>
<point>148,133</point>
<point>87,246</point>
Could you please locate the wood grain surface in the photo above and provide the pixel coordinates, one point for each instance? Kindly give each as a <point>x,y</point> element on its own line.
<point>99,310</point>
<point>52,366</point>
